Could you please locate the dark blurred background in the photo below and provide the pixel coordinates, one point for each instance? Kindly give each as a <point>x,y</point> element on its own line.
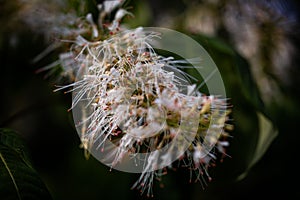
<point>255,44</point>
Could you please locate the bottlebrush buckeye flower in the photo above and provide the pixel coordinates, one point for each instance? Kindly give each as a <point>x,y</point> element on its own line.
<point>136,110</point>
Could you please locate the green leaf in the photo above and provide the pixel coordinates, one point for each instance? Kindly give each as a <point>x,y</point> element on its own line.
<point>267,133</point>
<point>18,178</point>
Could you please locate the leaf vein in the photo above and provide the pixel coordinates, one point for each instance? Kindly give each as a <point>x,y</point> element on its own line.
<point>11,175</point>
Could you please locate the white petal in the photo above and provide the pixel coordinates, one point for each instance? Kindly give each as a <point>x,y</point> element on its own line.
<point>109,5</point>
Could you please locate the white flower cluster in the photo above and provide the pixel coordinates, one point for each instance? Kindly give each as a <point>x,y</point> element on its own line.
<point>139,101</point>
